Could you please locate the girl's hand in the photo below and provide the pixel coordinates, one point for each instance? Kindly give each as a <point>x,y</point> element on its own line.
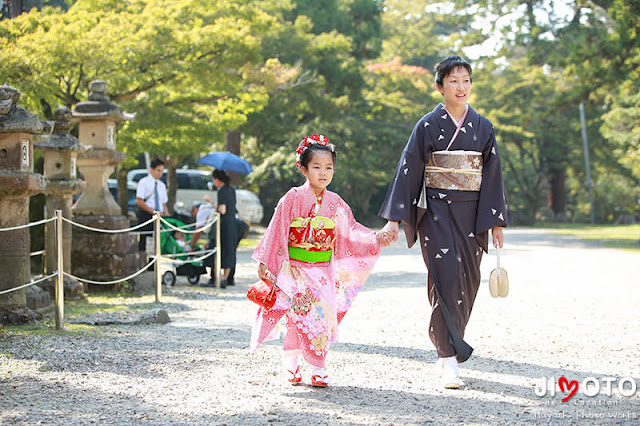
<point>391,229</point>
<point>262,272</point>
<point>384,239</point>
<point>497,236</point>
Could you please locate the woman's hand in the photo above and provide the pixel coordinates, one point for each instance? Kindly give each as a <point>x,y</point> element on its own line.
<point>384,238</point>
<point>390,231</point>
<point>497,236</point>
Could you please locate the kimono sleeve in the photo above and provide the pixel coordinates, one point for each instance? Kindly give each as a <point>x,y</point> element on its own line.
<point>405,189</point>
<point>273,247</point>
<point>493,209</point>
<point>356,252</point>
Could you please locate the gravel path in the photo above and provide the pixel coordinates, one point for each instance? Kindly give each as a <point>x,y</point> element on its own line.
<point>572,311</point>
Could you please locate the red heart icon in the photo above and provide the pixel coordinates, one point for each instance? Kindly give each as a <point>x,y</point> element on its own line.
<point>563,382</point>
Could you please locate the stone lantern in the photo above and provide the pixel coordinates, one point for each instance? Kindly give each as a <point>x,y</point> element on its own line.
<point>60,156</point>
<point>17,182</point>
<point>100,256</point>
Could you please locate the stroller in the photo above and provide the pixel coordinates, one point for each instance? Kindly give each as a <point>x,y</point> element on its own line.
<point>169,245</point>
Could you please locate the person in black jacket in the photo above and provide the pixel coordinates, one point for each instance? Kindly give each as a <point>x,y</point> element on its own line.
<point>228,228</point>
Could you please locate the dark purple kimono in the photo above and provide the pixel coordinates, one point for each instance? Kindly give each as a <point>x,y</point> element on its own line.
<point>453,225</point>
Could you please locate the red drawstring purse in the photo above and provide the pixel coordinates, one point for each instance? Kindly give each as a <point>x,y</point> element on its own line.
<point>263,293</point>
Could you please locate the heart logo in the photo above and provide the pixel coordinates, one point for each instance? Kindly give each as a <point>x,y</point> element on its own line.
<point>568,386</point>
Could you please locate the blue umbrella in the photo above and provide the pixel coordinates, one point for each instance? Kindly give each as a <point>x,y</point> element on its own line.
<point>226,161</point>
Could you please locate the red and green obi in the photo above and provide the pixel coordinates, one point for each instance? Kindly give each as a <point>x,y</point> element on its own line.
<point>311,239</point>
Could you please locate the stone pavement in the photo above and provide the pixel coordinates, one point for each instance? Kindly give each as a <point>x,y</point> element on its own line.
<point>572,312</point>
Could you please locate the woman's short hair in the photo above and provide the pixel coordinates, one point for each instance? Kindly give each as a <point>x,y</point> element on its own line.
<point>448,64</point>
<point>220,175</point>
<point>307,154</point>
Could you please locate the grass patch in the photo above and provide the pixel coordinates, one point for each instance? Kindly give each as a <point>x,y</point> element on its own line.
<point>613,236</point>
<point>112,305</point>
<point>47,327</point>
<point>249,242</point>
<point>109,303</point>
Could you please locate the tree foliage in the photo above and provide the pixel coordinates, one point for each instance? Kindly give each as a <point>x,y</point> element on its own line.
<point>357,71</point>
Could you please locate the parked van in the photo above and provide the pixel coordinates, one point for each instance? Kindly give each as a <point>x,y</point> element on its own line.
<point>193,185</point>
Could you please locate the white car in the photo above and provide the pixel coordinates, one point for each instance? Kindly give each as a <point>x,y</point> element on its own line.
<point>193,185</point>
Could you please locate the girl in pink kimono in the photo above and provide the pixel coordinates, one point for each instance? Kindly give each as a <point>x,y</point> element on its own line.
<point>319,258</point>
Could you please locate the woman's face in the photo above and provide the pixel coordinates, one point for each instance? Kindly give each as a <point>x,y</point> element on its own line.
<point>319,171</point>
<point>218,183</point>
<point>456,87</point>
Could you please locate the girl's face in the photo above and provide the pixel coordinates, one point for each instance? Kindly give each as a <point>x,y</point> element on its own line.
<point>456,87</point>
<point>319,171</point>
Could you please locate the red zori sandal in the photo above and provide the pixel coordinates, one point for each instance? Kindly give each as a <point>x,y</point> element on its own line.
<point>319,381</point>
<point>295,377</point>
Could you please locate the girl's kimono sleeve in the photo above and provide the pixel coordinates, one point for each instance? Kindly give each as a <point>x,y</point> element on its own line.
<point>356,252</point>
<point>492,204</point>
<point>401,202</point>
<point>273,247</point>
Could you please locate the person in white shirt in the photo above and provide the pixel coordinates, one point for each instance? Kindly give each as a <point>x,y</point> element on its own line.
<point>202,212</point>
<point>151,197</point>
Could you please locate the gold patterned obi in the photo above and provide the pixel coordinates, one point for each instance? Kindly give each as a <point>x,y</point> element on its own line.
<point>459,170</point>
<point>311,239</point>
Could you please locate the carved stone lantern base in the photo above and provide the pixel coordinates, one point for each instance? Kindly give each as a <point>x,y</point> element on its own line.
<point>104,257</point>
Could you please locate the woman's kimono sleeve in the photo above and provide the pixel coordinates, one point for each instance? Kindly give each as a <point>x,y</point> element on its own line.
<point>492,204</point>
<point>401,202</point>
<point>273,247</point>
<point>356,252</point>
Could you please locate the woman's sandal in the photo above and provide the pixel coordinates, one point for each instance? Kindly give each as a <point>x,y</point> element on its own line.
<point>296,377</point>
<point>319,381</point>
<point>453,383</point>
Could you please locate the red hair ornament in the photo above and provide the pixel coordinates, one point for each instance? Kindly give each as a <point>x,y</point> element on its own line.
<point>308,141</point>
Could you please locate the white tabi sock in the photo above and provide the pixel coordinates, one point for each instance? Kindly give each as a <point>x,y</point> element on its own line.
<point>318,372</point>
<point>290,359</point>
<point>450,367</point>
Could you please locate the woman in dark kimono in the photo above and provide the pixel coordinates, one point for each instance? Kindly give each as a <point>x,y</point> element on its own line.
<point>228,229</point>
<point>448,193</point>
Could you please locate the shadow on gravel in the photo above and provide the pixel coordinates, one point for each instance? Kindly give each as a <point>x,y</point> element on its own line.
<point>422,355</point>
<point>85,404</point>
<point>404,407</point>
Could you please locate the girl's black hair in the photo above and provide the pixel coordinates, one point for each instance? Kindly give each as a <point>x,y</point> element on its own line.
<point>448,64</point>
<point>221,176</point>
<point>307,155</point>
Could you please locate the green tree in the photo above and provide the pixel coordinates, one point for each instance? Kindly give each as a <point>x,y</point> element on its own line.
<point>189,69</point>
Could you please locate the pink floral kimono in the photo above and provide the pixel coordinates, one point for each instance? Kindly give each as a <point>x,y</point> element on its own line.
<point>320,257</point>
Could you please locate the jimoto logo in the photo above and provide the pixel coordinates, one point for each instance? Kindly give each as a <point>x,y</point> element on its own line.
<point>589,387</point>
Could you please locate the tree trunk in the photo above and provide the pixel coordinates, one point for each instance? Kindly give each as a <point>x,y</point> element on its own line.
<point>123,191</point>
<point>172,181</point>
<point>558,191</point>
<point>232,144</point>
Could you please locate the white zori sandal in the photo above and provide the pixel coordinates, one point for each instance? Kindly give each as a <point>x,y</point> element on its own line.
<point>449,373</point>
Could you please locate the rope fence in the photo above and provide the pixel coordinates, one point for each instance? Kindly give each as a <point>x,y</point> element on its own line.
<point>156,259</point>
<point>175,228</point>
<point>40,222</point>
<point>109,231</point>
<point>168,258</point>
<point>38,281</point>
<point>119,280</point>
